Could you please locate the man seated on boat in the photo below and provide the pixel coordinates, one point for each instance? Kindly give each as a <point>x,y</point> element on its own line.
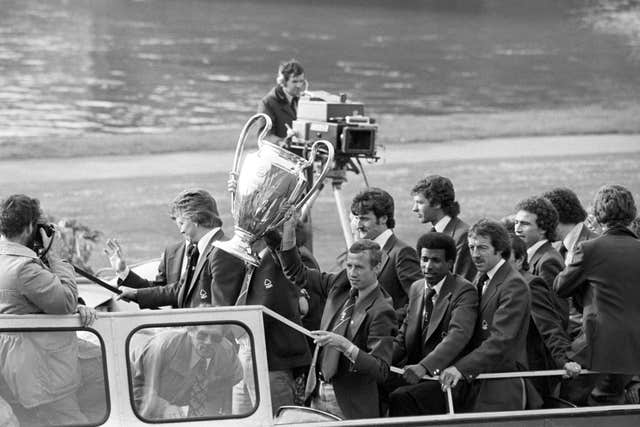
<point>359,323</point>
<point>186,372</point>
<point>440,320</point>
<point>499,341</point>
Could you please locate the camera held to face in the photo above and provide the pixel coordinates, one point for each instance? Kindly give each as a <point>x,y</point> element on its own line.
<point>38,244</point>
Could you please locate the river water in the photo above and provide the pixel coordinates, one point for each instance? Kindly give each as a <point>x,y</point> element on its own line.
<point>154,66</point>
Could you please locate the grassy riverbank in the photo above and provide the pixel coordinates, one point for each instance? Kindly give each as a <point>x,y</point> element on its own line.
<point>393,129</point>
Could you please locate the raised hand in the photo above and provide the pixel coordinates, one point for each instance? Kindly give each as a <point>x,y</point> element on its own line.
<point>114,252</point>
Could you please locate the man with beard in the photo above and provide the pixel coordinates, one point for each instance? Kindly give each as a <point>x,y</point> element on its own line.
<point>40,368</point>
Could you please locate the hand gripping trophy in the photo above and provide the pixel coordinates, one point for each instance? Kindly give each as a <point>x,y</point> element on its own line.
<point>266,179</point>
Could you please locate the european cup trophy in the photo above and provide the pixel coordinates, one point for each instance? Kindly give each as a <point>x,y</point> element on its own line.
<point>266,179</point>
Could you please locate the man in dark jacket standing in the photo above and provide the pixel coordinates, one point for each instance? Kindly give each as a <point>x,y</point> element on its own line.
<point>604,275</point>
<point>281,103</point>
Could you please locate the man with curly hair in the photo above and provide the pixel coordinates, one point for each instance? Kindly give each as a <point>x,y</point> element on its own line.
<point>571,229</point>
<point>535,223</point>
<point>373,218</point>
<point>604,274</point>
<point>434,202</point>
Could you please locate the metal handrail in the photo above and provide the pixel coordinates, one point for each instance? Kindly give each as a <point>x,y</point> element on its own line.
<point>447,390</point>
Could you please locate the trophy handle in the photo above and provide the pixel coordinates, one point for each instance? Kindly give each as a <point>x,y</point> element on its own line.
<point>325,169</point>
<point>242,139</point>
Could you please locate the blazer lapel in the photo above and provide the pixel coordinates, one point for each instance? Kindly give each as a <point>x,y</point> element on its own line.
<point>174,264</point>
<point>440,307</point>
<point>333,304</point>
<point>202,260</point>
<point>450,228</point>
<point>391,241</point>
<point>359,315</point>
<point>492,287</point>
<point>413,333</point>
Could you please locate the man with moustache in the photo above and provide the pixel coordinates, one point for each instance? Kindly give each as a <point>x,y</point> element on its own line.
<point>439,324</point>
<point>434,202</point>
<point>191,273</point>
<point>500,337</point>
<point>373,217</point>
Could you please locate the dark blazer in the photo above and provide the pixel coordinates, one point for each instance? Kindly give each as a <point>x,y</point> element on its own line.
<point>286,347</point>
<point>400,268</point>
<point>499,345</point>
<point>450,327</point>
<point>546,263</point>
<point>216,280</point>
<point>605,273</point>
<point>585,234</point>
<point>463,266</point>
<point>547,340</point>
<point>276,105</point>
<point>372,329</point>
<point>169,269</point>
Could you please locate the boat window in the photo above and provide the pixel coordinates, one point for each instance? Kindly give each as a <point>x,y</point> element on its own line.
<point>52,378</point>
<point>192,371</point>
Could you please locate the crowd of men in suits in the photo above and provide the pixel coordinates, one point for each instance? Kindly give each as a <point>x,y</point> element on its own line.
<point>537,290</point>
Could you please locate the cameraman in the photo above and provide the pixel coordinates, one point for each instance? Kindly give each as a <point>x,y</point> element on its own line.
<point>281,103</point>
<point>40,368</point>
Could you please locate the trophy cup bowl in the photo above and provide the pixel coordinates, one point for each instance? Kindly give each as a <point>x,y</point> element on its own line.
<point>266,179</point>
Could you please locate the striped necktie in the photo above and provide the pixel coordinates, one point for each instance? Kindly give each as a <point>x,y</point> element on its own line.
<point>329,355</point>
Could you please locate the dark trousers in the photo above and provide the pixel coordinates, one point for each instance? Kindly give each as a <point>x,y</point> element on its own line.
<point>595,390</point>
<point>423,398</point>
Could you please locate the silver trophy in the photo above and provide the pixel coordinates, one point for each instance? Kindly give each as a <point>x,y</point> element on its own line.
<point>268,178</point>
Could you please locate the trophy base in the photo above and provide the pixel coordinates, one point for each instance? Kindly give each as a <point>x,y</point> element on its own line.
<point>240,247</point>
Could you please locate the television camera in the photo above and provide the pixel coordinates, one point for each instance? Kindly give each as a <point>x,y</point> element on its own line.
<point>352,134</point>
<point>342,123</point>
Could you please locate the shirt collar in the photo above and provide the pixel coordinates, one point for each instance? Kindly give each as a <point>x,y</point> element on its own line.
<point>571,238</point>
<point>442,224</point>
<point>204,240</point>
<point>364,293</point>
<point>437,286</point>
<point>495,268</point>
<point>383,237</point>
<point>12,248</point>
<point>534,248</point>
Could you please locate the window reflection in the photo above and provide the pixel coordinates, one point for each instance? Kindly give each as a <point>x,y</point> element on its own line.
<point>52,378</point>
<point>191,371</point>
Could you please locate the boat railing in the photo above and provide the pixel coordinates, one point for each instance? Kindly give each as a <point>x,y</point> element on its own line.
<point>447,390</point>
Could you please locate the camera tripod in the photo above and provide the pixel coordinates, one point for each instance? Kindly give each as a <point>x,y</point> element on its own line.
<point>338,176</point>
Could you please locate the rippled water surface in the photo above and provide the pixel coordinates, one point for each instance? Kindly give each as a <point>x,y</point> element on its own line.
<point>154,66</point>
